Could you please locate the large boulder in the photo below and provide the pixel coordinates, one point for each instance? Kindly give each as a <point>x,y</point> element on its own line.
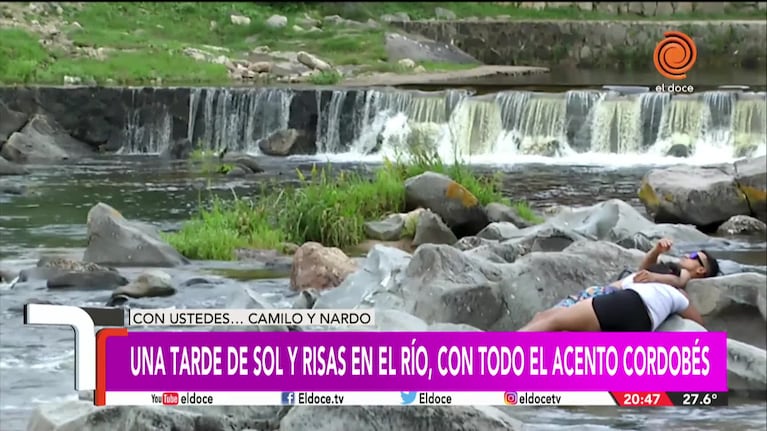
<point>10,121</point>
<point>742,225</point>
<point>114,240</point>
<point>612,220</point>
<point>149,284</point>
<point>418,48</point>
<point>452,202</point>
<point>10,168</point>
<point>84,416</point>
<point>734,303</point>
<point>374,418</point>
<point>701,196</point>
<point>43,140</point>
<point>318,267</point>
<point>746,364</point>
<point>279,143</point>
<point>751,179</point>
<point>380,272</point>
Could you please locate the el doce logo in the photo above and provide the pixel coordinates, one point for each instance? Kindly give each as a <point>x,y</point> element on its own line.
<point>675,55</point>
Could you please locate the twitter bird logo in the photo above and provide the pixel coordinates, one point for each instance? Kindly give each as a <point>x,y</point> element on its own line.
<point>408,397</point>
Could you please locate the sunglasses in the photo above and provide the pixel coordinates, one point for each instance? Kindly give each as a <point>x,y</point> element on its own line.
<point>696,256</point>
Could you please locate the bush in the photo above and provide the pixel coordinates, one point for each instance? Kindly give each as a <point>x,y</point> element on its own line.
<point>327,209</point>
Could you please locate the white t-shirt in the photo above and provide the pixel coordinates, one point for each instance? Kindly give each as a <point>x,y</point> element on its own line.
<point>660,299</point>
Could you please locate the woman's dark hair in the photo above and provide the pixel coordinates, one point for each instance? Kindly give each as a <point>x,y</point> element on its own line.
<point>713,264</point>
<point>666,268</point>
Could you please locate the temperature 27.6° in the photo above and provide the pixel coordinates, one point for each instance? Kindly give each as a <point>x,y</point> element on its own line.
<point>698,399</point>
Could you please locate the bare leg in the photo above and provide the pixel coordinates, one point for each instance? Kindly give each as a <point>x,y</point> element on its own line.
<point>546,313</point>
<point>578,318</point>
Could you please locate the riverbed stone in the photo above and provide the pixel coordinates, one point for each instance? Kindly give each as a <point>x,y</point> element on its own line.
<point>742,225</point>
<point>114,240</point>
<point>736,304</point>
<point>421,49</point>
<point>430,229</point>
<point>105,280</point>
<point>746,364</point>
<point>498,212</point>
<point>318,267</point>
<point>43,140</point>
<point>373,418</point>
<point>149,284</point>
<point>381,271</point>
<point>10,121</point>
<point>751,178</point>
<point>498,231</point>
<point>279,143</point>
<point>452,202</point>
<point>701,196</point>
<point>8,168</point>
<point>388,229</point>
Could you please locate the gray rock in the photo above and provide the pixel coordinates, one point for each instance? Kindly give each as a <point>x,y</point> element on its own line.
<point>423,418</point>
<point>701,196</point>
<point>736,304</point>
<point>279,143</point>
<point>380,271</point>
<point>107,280</point>
<point>431,230</point>
<point>453,203</point>
<point>388,229</point>
<point>9,188</point>
<point>498,231</point>
<point>84,416</point>
<point>149,284</point>
<point>420,49</point>
<point>248,299</point>
<point>741,224</point>
<point>277,21</point>
<point>612,220</point>
<point>751,177</point>
<point>446,285</point>
<point>10,168</point>
<point>247,163</point>
<point>471,242</point>
<point>113,240</point>
<point>504,252</point>
<point>746,364</point>
<point>10,121</point>
<point>43,140</point>
<point>498,212</point>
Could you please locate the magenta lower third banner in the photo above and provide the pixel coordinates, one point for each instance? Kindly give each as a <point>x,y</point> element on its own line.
<point>420,361</point>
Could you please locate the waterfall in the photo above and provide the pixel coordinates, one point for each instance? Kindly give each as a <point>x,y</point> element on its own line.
<point>507,124</point>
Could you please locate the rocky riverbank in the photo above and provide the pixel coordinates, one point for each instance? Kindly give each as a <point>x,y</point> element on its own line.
<point>494,279</point>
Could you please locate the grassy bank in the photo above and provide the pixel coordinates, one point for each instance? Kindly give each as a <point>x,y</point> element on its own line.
<point>327,209</point>
<point>143,43</point>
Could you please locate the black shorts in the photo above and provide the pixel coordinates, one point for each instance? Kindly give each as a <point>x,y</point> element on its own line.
<point>622,311</point>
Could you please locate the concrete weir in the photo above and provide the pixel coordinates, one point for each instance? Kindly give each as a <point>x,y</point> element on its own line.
<point>598,44</point>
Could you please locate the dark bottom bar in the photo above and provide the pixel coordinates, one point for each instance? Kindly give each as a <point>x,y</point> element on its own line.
<point>699,399</point>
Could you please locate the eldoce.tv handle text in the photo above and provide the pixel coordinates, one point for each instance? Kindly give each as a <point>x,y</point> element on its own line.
<point>311,399</point>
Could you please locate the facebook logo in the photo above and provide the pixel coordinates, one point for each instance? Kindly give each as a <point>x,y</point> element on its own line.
<point>288,398</point>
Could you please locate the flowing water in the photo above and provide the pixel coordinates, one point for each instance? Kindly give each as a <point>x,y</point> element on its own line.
<point>572,148</point>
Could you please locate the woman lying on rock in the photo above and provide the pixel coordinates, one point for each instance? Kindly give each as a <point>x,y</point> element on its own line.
<point>639,302</point>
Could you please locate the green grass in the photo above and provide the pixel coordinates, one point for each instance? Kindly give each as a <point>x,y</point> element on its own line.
<point>329,209</point>
<point>147,39</point>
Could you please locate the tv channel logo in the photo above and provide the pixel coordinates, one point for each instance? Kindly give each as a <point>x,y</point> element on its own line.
<point>170,398</point>
<point>288,398</point>
<point>510,398</point>
<point>408,397</point>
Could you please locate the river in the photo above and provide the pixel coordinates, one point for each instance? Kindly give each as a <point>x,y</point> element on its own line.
<point>36,364</point>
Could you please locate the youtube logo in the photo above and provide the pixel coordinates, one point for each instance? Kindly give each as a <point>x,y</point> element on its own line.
<point>170,398</point>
